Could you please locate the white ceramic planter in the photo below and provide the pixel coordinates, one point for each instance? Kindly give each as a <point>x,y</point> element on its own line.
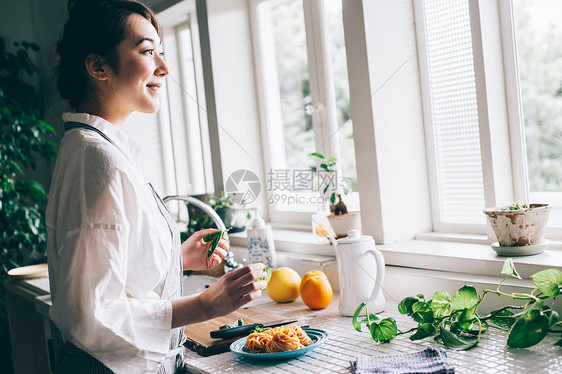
<point>343,223</point>
<point>515,228</point>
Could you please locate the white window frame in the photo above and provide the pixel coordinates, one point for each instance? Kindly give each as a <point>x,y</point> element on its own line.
<point>324,116</point>
<point>181,161</point>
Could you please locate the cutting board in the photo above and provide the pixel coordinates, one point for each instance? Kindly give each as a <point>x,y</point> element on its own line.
<point>198,334</point>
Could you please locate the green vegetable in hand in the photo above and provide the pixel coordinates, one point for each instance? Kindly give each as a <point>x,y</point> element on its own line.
<point>214,238</point>
<point>455,322</point>
<point>239,322</point>
<point>267,277</point>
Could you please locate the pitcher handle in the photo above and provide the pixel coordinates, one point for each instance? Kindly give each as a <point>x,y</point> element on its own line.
<point>379,259</point>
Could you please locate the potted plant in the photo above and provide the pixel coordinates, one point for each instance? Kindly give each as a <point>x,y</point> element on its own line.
<point>23,138</point>
<point>519,228</point>
<point>340,219</point>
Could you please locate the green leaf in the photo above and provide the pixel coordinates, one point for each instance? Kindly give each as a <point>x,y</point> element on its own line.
<point>325,167</point>
<point>424,330</point>
<point>357,324</point>
<point>553,317</point>
<point>420,296</point>
<point>372,317</point>
<point>503,318</point>
<point>548,281</point>
<point>383,331</point>
<point>467,317</point>
<point>440,304</point>
<point>465,298</point>
<point>422,313</point>
<point>559,343</point>
<point>316,154</point>
<point>530,329</point>
<point>239,322</point>
<point>405,306</point>
<point>473,329</point>
<point>326,188</point>
<point>453,341</point>
<point>509,269</point>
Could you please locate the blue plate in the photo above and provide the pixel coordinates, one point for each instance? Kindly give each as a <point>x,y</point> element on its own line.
<point>317,336</point>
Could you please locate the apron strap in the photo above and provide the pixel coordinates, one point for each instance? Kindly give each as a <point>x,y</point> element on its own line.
<point>78,125</point>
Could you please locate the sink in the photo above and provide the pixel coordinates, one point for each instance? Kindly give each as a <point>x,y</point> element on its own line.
<point>195,284</point>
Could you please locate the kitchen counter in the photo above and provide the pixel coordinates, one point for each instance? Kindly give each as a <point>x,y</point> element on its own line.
<point>333,356</point>
<point>345,343</point>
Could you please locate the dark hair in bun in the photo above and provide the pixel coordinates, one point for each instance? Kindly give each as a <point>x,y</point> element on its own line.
<point>94,27</point>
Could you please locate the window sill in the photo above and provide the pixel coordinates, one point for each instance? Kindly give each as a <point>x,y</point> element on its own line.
<point>450,253</point>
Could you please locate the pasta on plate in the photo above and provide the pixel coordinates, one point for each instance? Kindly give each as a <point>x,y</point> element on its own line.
<point>278,339</point>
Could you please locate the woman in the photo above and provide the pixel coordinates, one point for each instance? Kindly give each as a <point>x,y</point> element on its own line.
<point>115,259</point>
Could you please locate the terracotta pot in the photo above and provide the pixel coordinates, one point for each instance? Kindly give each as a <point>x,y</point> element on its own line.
<point>342,223</point>
<point>515,228</point>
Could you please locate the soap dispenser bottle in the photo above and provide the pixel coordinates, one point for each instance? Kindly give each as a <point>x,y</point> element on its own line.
<point>261,247</point>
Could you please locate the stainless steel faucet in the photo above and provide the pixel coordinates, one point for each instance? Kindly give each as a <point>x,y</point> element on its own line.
<point>229,262</point>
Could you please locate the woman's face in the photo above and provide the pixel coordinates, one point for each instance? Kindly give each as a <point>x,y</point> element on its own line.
<point>136,85</point>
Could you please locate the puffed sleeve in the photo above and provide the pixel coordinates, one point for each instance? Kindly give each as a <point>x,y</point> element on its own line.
<point>92,305</point>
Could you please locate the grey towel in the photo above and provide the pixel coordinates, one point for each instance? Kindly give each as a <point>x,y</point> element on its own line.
<point>430,360</point>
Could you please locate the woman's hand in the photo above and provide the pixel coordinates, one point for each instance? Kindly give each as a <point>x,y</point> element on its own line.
<point>231,291</point>
<point>194,251</point>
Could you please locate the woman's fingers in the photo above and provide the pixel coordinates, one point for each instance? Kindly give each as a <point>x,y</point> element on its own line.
<point>248,273</point>
<point>247,298</point>
<point>223,244</point>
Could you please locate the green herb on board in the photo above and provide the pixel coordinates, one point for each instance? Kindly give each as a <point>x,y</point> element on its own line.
<point>455,322</point>
<point>261,329</point>
<point>238,323</point>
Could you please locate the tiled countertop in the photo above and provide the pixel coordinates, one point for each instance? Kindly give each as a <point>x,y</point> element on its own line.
<point>344,344</point>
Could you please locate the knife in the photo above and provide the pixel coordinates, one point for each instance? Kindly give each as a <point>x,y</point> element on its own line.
<point>245,329</point>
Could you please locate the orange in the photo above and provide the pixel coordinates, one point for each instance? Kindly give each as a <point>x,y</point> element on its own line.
<point>284,285</point>
<point>317,292</point>
<point>310,274</point>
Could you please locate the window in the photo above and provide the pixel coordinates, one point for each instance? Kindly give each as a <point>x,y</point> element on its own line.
<point>450,104</point>
<point>302,79</point>
<point>176,151</point>
<point>538,34</point>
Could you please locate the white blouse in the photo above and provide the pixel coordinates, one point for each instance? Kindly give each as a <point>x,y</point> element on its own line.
<point>110,252</point>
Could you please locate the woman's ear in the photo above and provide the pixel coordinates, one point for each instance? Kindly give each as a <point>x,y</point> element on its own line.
<point>97,67</point>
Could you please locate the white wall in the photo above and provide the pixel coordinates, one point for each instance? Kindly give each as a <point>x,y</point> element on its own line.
<point>233,75</point>
<point>387,118</point>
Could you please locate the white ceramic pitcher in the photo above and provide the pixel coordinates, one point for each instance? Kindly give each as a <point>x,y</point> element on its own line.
<point>361,269</point>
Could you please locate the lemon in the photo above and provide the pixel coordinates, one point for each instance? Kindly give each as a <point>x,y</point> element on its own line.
<point>284,285</point>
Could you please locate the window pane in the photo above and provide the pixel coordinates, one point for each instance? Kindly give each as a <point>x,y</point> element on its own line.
<point>453,107</point>
<point>341,86</point>
<point>292,67</point>
<point>539,46</point>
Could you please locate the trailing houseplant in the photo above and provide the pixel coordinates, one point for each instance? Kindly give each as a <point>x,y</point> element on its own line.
<point>341,220</point>
<point>23,139</point>
<point>455,322</point>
